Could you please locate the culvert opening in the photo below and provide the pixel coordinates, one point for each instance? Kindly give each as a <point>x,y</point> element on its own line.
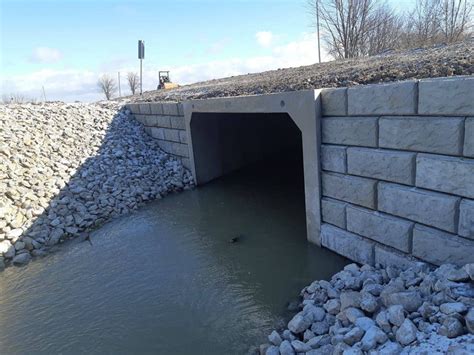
<point>226,142</point>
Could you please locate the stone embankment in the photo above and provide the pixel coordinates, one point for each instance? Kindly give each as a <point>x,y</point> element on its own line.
<point>383,311</point>
<point>67,168</point>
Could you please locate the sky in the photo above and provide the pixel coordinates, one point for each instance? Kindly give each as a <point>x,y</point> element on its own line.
<point>66,45</point>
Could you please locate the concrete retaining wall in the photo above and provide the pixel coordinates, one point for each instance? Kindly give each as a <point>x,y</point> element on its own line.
<point>397,165</point>
<point>165,122</point>
<point>398,171</point>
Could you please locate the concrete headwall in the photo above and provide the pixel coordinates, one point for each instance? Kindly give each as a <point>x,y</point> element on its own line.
<point>398,171</point>
<point>397,165</point>
<point>165,122</point>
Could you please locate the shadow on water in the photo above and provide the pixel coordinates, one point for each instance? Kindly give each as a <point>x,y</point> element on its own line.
<point>165,279</point>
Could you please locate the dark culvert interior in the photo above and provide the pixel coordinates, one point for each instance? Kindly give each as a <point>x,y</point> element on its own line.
<point>226,142</point>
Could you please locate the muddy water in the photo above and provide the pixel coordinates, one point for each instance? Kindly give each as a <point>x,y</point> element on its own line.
<point>167,280</point>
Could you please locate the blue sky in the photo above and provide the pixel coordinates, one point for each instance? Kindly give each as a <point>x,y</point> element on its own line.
<point>66,45</point>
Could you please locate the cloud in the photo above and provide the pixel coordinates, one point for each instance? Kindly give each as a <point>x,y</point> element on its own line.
<point>264,38</point>
<point>46,55</point>
<point>71,84</point>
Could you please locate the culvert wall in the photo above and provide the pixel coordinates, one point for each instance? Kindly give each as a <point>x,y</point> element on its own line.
<point>392,179</point>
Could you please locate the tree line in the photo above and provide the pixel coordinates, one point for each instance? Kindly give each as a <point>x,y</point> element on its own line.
<point>357,28</point>
<point>108,85</point>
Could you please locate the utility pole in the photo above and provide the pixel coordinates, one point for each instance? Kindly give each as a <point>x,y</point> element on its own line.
<point>120,91</point>
<point>44,94</point>
<point>141,56</point>
<point>317,28</point>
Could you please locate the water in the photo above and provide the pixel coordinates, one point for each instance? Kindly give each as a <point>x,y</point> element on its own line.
<point>166,280</point>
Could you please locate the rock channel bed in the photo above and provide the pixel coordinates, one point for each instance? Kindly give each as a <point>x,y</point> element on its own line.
<point>383,311</point>
<point>67,168</point>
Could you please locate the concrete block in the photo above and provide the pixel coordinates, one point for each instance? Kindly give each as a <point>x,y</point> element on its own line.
<point>446,96</point>
<point>151,121</point>
<point>442,135</point>
<point>383,99</point>
<point>427,207</point>
<point>469,138</point>
<point>171,135</point>
<point>466,219</point>
<point>382,164</point>
<point>141,118</point>
<point>163,121</point>
<point>446,174</point>
<point>148,130</point>
<point>134,108</point>
<point>178,122</point>
<point>180,109</point>
<point>186,163</point>
<point>347,244</point>
<point>333,158</point>
<point>334,102</point>
<point>390,257</point>
<point>166,146</point>
<point>438,247</point>
<point>183,137</point>
<point>382,228</point>
<point>180,149</point>
<point>145,108</point>
<point>334,212</point>
<point>156,108</point>
<point>170,108</point>
<point>359,131</point>
<point>157,133</point>
<point>357,190</point>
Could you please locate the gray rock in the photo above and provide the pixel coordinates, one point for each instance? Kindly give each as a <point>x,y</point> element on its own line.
<point>369,303</point>
<point>406,333</point>
<point>382,320</point>
<point>299,323</point>
<point>453,307</point>
<point>319,341</point>
<point>427,310</point>
<point>410,300</point>
<point>308,334</point>
<point>21,259</point>
<point>332,306</point>
<point>300,347</point>
<point>469,268</point>
<point>451,328</point>
<point>314,313</point>
<point>469,318</point>
<point>286,348</point>
<point>353,336</point>
<point>390,348</point>
<point>365,323</point>
<point>350,299</point>
<point>352,351</point>
<point>396,315</point>
<point>372,337</point>
<point>320,328</point>
<point>275,338</point>
<point>272,350</point>
<point>353,313</point>
<point>458,275</point>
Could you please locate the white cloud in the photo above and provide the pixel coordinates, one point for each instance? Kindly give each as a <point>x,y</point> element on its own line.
<point>264,38</point>
<point>71,85</point>
<point>46,55</point>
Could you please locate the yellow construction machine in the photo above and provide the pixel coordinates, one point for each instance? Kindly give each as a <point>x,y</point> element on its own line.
<point>165,82</point>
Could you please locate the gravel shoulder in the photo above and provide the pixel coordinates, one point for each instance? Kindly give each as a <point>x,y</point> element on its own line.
<point>439,61</point>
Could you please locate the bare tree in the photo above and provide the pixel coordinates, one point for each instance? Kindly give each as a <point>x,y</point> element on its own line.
<point>133,82</point>
<point>346,24</point>
<point>455,19</point>
<point>107,85</point>
<point>423,24</point>
<point>17,98</point>
<point>387,30</point>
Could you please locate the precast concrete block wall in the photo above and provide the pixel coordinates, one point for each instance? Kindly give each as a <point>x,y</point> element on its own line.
<point>398,171</point>
<point>165,122</point>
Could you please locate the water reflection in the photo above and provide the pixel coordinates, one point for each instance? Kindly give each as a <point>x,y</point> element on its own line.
<point>166,279</point>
